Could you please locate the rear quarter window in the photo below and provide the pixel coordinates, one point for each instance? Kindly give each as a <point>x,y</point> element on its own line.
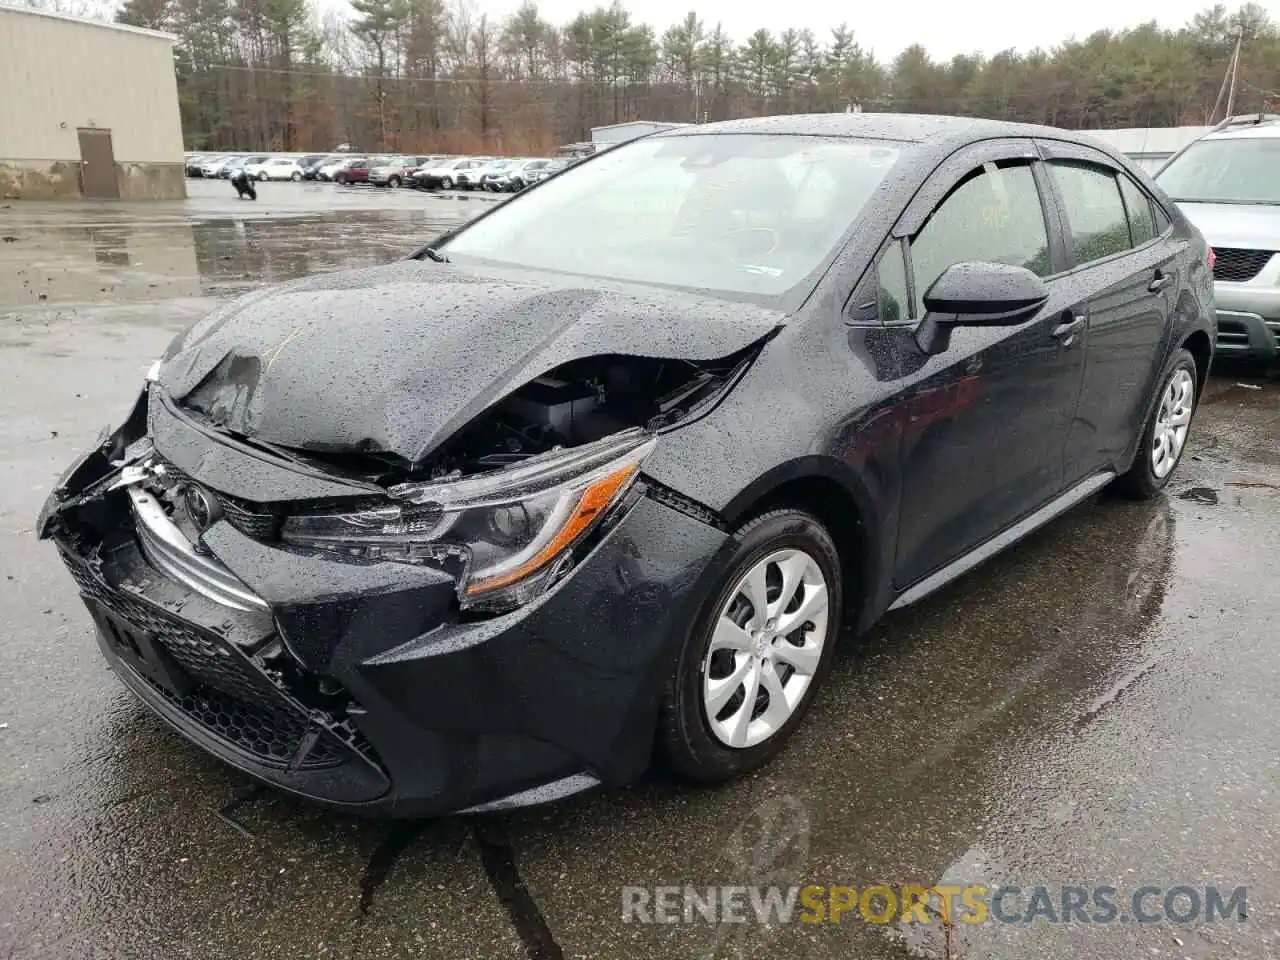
<point>1142,224</point>
<point>1097,224</point>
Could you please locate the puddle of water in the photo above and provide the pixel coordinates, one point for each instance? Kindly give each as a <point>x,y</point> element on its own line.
<point>1200,495</point>
<point>70,256</point>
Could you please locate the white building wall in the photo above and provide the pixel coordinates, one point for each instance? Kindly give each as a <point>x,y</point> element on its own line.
<point>58,73</point>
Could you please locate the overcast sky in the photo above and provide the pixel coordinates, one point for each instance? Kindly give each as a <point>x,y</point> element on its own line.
<point>944,27</point>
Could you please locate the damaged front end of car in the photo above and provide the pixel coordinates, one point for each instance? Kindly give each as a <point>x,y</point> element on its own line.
<point>392,635</point>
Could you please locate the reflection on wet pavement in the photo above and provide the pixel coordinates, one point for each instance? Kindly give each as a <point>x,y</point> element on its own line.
<point>1096,706</point>
<point>211,246</point>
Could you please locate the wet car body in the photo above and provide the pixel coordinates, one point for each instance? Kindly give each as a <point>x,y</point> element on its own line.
<point>365,683</point>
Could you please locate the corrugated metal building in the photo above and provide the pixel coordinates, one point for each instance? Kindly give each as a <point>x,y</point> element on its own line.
<point>1149,147</point>
<point>87,109</point>
<point>616,133</point>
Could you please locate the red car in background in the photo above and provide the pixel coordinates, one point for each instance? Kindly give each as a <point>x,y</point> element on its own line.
<point>357,171</point>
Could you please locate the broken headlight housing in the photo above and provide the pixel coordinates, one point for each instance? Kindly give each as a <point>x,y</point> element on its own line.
<point>506,535</point>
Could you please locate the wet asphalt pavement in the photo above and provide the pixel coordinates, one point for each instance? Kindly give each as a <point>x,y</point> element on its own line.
<point>1097,706</point>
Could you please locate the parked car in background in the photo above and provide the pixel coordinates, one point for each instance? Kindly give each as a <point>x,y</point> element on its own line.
<point>358,170</point>
<point>1228,185</point>
<point>231,166</point>
<point>516,515</point>
<point>330,171</point>
<point>480,178</point>
<point>253,166</point>
<point>467,174</point>
<point>193,163</point>
<point>307,161</point>
<point>444,174</point>
<point>279,168</point>
<point>212,166</point>
<point>537,174</point>
<point>395,171</point>
<point>516,177</point>
<point>311,169</point>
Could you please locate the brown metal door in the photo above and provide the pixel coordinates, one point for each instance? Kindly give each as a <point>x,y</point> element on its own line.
<point>98,165</point>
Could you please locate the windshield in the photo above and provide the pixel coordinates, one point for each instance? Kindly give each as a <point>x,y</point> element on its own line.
<point>732,213</point>
<point>1235,170</point>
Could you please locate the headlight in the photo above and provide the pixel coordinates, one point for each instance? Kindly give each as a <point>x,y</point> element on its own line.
<point>506,535</point>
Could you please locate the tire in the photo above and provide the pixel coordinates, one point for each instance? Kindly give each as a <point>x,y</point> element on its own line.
<point>262,176</point>
<point>393,183</point>
<point>446,183</point>
<point>295,176</point>
<point>1174,407</point>
<point>696,744</point>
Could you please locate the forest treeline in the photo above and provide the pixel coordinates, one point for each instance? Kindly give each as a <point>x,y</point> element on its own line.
<point>442,75</point>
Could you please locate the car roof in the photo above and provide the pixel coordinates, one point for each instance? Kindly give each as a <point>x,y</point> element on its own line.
<point>1254,127</point>
<point>908,127</point>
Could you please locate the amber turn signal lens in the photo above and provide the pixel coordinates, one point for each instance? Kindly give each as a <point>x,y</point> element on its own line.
<point>591,503</point>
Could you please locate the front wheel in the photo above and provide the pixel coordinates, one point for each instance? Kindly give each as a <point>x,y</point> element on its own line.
<point>758,650</point>
<point>446,183</point>
<point>1165,437</point>
<point>262,176</point>
<point>393,183</point>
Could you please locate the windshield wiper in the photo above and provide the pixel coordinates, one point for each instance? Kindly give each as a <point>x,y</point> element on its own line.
<point>431,253</point>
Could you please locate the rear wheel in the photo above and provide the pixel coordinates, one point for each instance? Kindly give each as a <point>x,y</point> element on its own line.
<point>295,176</point>
<point>1165,437</point>
<point>262,176</point>
<point>758,651</point>
<point>393,181</point>
<point>446,183</point>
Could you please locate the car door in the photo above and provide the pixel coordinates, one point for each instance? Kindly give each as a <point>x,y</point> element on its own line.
<point>1124,272</point>
<point>988,417</point>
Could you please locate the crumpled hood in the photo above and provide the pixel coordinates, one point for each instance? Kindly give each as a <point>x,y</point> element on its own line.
<point>1236,225</point>
<point>399,357</point>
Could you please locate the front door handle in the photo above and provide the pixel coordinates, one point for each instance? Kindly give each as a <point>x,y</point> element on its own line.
<point>1066,332</point>
<point>1161,281</point>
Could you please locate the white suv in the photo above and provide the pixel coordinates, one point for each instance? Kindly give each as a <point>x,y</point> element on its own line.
<point>1228,185</point>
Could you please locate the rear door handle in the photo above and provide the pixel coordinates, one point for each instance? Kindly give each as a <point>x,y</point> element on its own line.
<point>1161,281</point>
<point>1066,332</point>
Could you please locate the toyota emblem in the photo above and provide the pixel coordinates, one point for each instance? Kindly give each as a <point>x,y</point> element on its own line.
<point>203,507</point>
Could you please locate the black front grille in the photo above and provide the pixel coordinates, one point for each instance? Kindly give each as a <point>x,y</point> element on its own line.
<point>272,737</point>
<point>228,698</point>
<point>252,519</point>
<point>1237,265</point>
<point>206,659</point>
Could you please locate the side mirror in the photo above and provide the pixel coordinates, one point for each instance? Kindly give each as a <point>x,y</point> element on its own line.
<point>978,294</point>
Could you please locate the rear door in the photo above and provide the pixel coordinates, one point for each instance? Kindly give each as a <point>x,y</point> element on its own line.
<point>1124,272</point>
<point>987,418</point>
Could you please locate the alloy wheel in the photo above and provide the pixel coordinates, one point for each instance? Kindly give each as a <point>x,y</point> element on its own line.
<point>766,646</point>
<point>1173,418</point>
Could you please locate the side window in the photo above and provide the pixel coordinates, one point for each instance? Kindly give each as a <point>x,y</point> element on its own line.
<point>1096,222</point>
<point>993,216</point>
<point>1162,218</point>
<point>891,301</point>
<point>1142,225</point>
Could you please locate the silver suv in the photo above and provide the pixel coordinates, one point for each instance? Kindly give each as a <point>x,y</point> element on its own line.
<point>1228,185</point>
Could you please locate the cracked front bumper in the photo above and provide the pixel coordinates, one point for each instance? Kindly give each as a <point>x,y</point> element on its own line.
<point>360,685</point>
